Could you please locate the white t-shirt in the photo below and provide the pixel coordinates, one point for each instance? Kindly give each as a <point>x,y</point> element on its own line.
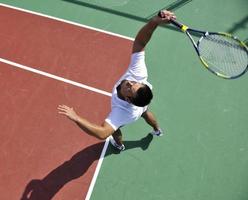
<point>122,112</point>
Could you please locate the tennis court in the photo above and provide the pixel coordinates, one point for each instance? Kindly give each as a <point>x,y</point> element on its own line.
<point>72,52</point>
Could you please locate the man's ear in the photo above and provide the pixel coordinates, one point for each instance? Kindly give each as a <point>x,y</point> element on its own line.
<point>128,99</point>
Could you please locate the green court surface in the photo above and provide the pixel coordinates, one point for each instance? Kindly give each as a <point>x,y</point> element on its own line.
<point>204,152</point>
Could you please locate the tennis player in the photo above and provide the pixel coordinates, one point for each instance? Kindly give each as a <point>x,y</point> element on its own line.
<point>131,95</point>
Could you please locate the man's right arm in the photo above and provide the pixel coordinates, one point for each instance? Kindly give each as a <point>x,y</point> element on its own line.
<point>100,132</point>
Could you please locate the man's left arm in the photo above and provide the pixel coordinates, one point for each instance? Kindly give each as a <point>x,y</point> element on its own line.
<point>145,33</point>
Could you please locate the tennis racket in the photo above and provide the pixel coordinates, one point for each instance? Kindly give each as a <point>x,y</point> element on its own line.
<point>221,53</point>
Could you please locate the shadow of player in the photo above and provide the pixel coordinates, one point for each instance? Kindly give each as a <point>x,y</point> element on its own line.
<point>46,188</point>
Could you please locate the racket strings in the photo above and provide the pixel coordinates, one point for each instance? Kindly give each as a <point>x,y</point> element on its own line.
<point>222,40</point>
<point>223,54</point>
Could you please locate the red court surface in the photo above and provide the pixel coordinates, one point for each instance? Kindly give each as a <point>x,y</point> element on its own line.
<point>73,52</point>
<point>43,154</point>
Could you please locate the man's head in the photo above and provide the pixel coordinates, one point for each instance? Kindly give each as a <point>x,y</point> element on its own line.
<point>136,93</point>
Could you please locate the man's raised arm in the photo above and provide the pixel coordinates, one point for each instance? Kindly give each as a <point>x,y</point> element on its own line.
<point>145,33</point>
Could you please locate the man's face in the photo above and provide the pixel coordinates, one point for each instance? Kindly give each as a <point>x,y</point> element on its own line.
<point>129,88</point>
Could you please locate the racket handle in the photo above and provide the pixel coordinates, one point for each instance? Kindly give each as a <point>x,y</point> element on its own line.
<point>178,24</point>
<point>174,22</point>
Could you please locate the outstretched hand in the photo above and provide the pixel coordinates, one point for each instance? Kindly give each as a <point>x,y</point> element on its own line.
<point>68,112</point>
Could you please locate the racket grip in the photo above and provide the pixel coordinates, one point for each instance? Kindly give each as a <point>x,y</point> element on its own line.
<point>174,22</point>
<point>179,25</point>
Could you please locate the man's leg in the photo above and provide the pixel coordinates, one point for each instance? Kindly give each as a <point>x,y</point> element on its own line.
<point>116,140</point>
<point>117,135</point>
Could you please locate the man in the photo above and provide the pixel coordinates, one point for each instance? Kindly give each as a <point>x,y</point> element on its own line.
<point>131,94</point>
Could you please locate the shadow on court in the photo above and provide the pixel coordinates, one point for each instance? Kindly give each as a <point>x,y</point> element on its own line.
<point>173,6</point>
<point>46,188</point>
<point>242,24</point>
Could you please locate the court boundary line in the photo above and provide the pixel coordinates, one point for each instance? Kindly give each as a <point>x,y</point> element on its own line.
<point>100,161</point>
<point>98,167</point>
<point>67,21</point>
<point>52,76</point>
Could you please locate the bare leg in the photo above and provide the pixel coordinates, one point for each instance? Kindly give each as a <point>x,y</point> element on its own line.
<point>117,135</point>
<point>151,120</point>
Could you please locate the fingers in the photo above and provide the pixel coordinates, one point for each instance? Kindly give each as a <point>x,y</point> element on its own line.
<point>167,15</point>
<point>68,112</point>
<point>63,109</point>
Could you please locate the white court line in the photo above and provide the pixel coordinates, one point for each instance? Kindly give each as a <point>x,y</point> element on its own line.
<point>98,167</point>
<point>93,181</point>
<point>52,76</point>
<point>67,22</point>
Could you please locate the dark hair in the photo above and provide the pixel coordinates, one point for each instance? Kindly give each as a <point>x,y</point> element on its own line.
<point>143,96</point>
